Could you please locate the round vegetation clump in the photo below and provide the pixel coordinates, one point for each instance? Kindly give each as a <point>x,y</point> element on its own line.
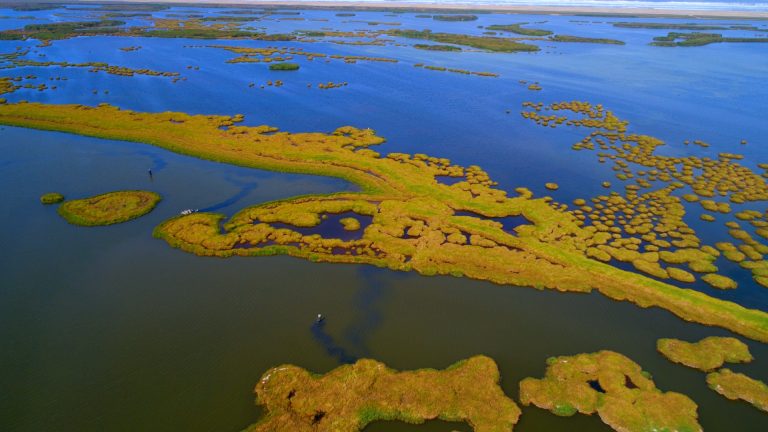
<point>284,66</point>
<point>109,208</point>
<point>51,198</point>
<point>552,186</point>
<point>350,223</point>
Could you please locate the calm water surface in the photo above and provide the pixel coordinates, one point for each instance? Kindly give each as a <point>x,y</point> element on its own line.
<point>108,329</point>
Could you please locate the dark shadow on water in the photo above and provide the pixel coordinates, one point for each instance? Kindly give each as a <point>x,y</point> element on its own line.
<point>158,163</point>
<point>245,189</point>
<point>368,302</point>
<point>372,291</point>
<point>330,345</point>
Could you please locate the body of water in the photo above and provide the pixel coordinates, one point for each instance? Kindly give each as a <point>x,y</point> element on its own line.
<point>109,329</point>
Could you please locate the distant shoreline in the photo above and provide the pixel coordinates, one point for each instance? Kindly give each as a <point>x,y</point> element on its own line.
<point>545,10</point>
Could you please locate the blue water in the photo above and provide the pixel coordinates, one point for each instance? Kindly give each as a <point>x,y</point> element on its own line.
<point>651,4</point>
<point>110,329</point>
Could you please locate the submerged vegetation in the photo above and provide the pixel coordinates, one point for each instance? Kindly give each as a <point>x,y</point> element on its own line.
<point>414,226</point>
<point>614,387</point>
<point>109,208</point>
<point>350,397</point>
<point>707,354</point>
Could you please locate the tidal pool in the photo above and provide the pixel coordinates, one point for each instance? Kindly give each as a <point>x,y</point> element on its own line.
<point>107,328</point>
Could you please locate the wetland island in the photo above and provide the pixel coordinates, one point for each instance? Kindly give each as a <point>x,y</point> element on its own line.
<point>570,199</point>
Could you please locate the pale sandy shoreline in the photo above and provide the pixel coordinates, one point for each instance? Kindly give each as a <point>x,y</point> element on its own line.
<point>549,10</point>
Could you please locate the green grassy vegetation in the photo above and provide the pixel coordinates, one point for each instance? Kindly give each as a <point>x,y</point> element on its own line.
<point>518,29</point>
<point>4,35</point>
<point>614,387</point>
<point>455,70</point>
<point>414,226</point>
<point>699,39</point>
<point>164,28</point>
<point>31,7</point>
<point>579,39</point>
<point>109,208</point>
<point>96,67</point>
<point>350,223</point>
<point>51,198</point>
<point>719,281</point>
<point>350,397</point>
<point>55,31</point>
<point>454,17</point>
<point>655,238</point>
<point>286,66</point>
<point>482,42</point>
<point>212,33</point>
<point>737,386</point>
<point>428,47</point>
<point>707,354</point>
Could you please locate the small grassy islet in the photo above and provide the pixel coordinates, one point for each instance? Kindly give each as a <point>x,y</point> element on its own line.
<point>737,386</point>
<point>51,198</point>
<point>707,354</point>
<point>284,66</point>
<point>109,208</point>
<point>614,387</point>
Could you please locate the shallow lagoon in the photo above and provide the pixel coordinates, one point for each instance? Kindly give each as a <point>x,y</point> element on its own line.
<point>110,329</point>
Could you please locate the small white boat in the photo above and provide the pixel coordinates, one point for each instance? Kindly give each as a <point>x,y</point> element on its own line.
<point>188,211</point>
